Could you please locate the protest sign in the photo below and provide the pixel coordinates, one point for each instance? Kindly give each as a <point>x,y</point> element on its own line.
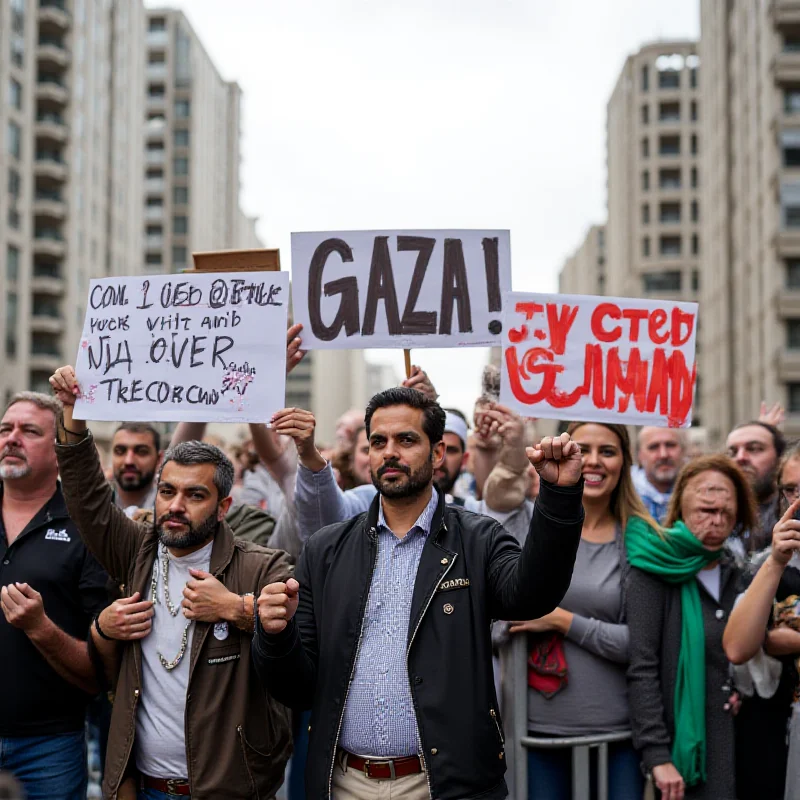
<point>200,347</point>
<point>359,289</point>
<point>603,359</point>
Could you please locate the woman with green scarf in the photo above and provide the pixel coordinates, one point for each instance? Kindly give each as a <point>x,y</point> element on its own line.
<point>681,590</point>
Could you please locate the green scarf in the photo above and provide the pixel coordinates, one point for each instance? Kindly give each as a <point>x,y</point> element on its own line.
<point>676,558</point>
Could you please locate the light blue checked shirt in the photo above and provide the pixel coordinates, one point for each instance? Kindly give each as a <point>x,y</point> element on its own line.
<point>379,717</point>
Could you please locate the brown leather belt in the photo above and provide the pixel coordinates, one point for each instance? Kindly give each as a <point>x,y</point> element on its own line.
<point>178,787</point>
<point>384,769</point>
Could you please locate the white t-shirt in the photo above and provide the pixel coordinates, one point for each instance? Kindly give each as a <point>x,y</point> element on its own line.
<point>710,578</point>
<point>160,730</point>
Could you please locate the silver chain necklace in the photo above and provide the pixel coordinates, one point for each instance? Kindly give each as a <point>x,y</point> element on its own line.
<point>163,568</point>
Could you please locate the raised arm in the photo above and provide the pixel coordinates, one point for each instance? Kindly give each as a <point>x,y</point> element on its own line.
<point>531,584</point>
<point>507,484</point>
<point>107,532</point>
<point>746,630</point>
<point>318,498</point>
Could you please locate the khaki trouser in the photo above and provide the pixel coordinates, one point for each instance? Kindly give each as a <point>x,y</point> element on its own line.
<point>352,784</point>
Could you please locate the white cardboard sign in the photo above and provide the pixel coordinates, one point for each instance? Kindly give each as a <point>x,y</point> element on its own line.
<point>361,289</point>
<point>204,347</point>
<point>602,359</point>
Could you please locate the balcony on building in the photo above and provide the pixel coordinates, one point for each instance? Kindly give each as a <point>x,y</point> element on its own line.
<point>785,12</point>
<point>50,88</point>
<point>48,241</point>
<point>47,277</point>
<point>49,164</point>
<point>45,352</point>
<point>51,52</point>
<point>154,157</point>
<point>46,315</point>
<point>49,204</point>
<point>53,15</point>
<point>50,126</point>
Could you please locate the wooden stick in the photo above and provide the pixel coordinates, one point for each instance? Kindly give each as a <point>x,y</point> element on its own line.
<point>407,354</point>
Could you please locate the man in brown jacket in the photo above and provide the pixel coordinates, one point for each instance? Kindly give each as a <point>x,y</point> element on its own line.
<point>189,716</point>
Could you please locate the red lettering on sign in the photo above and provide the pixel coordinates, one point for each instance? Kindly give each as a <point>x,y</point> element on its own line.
<point>654,325</point>
<point>528,309</point>
<point>517,335</point>
<point>523,370</point>
<point>679,319</point>
<point>560,324</point>
<point>635,315</point>
<point>606,310</point>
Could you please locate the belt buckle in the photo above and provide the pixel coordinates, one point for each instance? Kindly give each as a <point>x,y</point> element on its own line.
<point>172,787</point>
<point>390,764</point>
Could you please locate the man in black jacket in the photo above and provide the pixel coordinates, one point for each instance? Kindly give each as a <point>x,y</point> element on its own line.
<point>385,633</point>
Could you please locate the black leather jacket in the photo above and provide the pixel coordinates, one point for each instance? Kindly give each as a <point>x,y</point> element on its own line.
<point>469,563</point>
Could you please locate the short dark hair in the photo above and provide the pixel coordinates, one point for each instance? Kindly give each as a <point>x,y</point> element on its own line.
<point>203,453</point>
<point>432,413</point>
<point>141,427</point>
<point>778,439</point>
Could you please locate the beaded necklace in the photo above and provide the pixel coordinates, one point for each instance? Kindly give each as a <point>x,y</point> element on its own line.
<point>163,568</point>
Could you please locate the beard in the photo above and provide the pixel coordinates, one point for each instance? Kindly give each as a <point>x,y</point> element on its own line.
<point>445,482</point>
<point>133,481</point>
<point>416,481</point>
<point>763,486</point>
<point>10,472</point>
<point>191,537</point>
<point>665,473</point>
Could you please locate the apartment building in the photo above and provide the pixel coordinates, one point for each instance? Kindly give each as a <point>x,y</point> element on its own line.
<point>584,272</point>
<point>192,154</point>
<point>750,89</point>
<point>70,205</point>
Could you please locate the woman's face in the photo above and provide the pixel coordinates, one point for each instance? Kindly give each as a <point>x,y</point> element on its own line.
<point>601,460</point>
<point>708,507</point>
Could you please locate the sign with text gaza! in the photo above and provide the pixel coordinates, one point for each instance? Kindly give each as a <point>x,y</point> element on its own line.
<point>204,347</point>
<point>602,359</point>
<point>358,289</point>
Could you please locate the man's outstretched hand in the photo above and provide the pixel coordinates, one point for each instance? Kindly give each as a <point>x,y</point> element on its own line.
<point>557,459</point>
<point>65,385</point>
<point>277,604</point>
<point>294,355</point>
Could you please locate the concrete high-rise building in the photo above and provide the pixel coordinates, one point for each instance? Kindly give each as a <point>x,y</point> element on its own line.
<point>584,272</point>
<point>750,93</point>
<point>653,241</point>
<point>71,163</point>
<point>192,154</point>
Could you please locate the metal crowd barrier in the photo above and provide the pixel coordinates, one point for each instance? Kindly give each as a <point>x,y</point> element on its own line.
<point>514,710</point>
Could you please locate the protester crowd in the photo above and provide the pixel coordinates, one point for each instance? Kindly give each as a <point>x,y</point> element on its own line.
<point>208,612</point>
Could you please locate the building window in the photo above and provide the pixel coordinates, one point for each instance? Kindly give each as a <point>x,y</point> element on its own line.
<point>182,137</point>
<point>157,24</point>
<point>152,258</point>
<point>646,246</point>
<point>154,230</point>
<point>669,79</point>
<point>11,325</point>
<point>669,246</point>
<point>645,114</point>
<point>695,211</point>
<point>12,263</point>
<point>154,202</point>
<point>793,334</point>
<point>793,273</point>
<point>694,144</point>
<point>178,256</point>
<point>669,213</point>
<point>669,112</point>
<point>14,184</point>
<point>155,145</point>
<point>695,245</point>
<point>693,78</point>
<point>13,218</point>
<point>180,195</point>
<point>694,178</point>
<point>180,166</point>
<point>645,148</point>
<point>14,141</point>
<point>791,216</point>
<point>156,90</point>
<point>156,57</point>
<point>694,111</point>
<point>791,101</point>
<point>793,397</point>
<point>15,94</point>
<point>180,225</point>
<point>669,281</point>
<point>695,280</point>
<point>669,179</point>
<point>645,78</point>
<point>646,214</point>
<point>669,145</point>
<point>182,109</point>
<point>154,173</point>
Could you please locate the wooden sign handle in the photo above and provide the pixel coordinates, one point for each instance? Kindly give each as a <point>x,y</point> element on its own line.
<point>407,354</point>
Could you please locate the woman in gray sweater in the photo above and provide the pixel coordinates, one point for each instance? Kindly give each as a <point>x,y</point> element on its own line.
<point>579,652</point>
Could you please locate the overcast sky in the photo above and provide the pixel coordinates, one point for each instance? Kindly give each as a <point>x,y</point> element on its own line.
<point>361,114</point>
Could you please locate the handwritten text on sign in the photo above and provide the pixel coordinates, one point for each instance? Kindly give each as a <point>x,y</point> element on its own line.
<point>599,358</point>
<point>200,348</point>
<point>359,289</point>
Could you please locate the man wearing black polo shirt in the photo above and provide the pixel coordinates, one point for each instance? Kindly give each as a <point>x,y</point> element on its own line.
<point>51,588</point>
